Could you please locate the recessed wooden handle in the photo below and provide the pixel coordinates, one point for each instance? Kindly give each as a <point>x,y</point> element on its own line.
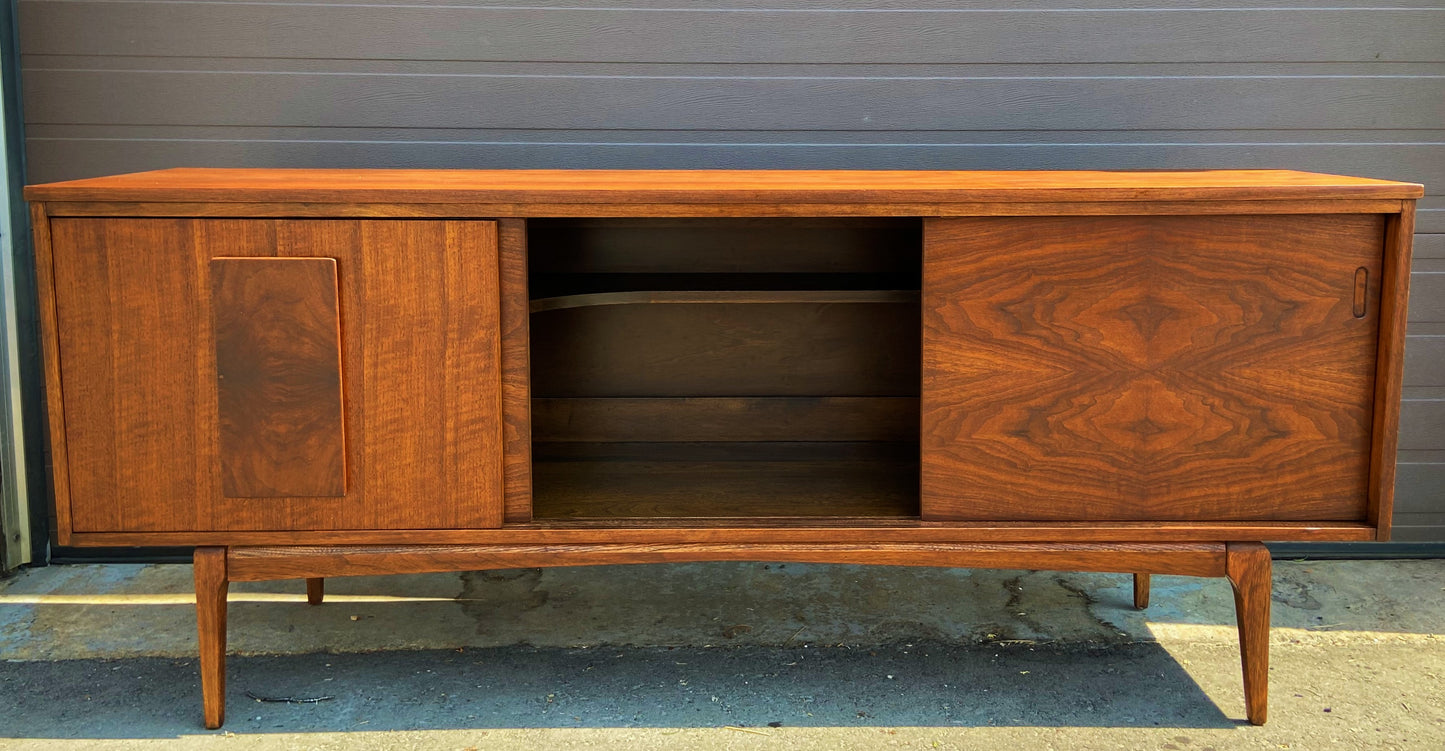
<point>1362,280</point>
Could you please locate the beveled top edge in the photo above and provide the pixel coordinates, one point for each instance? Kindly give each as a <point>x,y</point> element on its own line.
<point>708,186</point>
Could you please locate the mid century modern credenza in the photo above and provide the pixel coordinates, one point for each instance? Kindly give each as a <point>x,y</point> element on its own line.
<point>313,373</point>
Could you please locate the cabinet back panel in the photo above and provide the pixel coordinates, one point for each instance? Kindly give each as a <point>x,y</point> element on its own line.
<point>726,349</point>
<point>722,246</point>
<point>797,418</point>
<point>1151,368</point>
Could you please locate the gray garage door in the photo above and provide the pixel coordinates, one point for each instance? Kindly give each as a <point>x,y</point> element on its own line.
<point>1350,86</point>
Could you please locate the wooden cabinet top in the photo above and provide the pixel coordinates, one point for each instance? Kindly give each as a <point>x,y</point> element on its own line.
<point>832,187</point>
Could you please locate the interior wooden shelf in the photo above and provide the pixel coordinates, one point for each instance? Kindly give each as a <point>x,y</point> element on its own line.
<point>631,484</point>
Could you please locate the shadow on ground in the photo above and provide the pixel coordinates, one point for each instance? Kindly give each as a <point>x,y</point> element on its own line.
<point>1122,685</point>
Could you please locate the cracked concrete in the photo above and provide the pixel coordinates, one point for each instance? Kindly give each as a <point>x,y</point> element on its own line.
<point>104,655</point>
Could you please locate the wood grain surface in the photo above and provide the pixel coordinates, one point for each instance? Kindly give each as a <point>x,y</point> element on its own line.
<point>49,335</point>
<point>776,529</point>
<point>729,245</point>
<point>713,186</point>
<point>315,590</point>
<point>212,584</point>
<point>1389,369</point>
<point>516,377</point>
<point>266,563</point>
<point>644,487</point>
<point>720,349</point>
<point>1179,368</point>
<point>803,418</point>
<point>621,207</point>
<point>1141,591</point>
<point>278,377</point>
<point>1248,566</point>
<point>133,301</point>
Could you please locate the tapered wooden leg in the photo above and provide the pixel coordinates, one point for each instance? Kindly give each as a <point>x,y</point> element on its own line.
<point>315,590</point>
<point>1248,566</point>
<point>1141,591</point>
<point>211,586</point>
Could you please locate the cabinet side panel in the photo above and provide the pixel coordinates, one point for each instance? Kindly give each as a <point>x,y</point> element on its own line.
<point>50,348</point>
<point>278,377</point>
<point>1399,232</point>
<point>1149,368</point>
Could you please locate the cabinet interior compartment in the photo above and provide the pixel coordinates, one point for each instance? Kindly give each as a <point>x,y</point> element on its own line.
<point>724,368</point>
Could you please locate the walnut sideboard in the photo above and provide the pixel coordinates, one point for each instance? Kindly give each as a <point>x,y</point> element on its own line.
<point>313,373</point>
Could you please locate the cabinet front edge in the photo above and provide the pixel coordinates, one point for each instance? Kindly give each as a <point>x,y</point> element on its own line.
<point>723,209</point>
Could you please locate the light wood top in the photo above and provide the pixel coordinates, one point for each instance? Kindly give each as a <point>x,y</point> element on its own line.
<point>712,186</point>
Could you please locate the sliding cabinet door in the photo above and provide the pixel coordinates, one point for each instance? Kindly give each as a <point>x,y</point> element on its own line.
<point>257,374</point>
<point>1149,367</point>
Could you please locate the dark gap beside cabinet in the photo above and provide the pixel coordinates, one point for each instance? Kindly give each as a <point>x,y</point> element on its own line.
<point>717,368</point>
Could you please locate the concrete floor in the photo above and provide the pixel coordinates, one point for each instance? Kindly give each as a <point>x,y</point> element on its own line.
<point>726,656</point>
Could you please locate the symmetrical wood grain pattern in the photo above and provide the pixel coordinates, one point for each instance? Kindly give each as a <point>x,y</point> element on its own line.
<point>713,186</point>
<point>1164,368</point>
<point>1248,567</point>
<point>134,307</point>
<point>212,584</point>
<point>265,563</point>
<point>278,377</point>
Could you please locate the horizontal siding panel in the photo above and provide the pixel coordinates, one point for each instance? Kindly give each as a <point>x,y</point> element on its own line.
<point>1422,424</point>
<point>1433,519</point>
<point>1419,488</point>
<point>1430,246</point>
<point>731,70</point>
<point>1425,361</point>
<point>1412,533</point>
<point>1430,212</point>
<point>1427,297</point>
<point>825,6</point>
<point>720,36</point>
<point>582,102</point>
<point>1346,140</point>
<point>71,158</point>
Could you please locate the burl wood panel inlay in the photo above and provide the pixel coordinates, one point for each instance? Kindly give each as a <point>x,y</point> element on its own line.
<point>278,377</point>
<point>1151,368</point>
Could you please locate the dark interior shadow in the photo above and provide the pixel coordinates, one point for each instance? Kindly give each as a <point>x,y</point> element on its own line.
<point>933,685</point>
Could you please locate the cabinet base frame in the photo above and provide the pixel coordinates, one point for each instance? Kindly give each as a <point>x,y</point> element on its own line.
<point>1245,564</point>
